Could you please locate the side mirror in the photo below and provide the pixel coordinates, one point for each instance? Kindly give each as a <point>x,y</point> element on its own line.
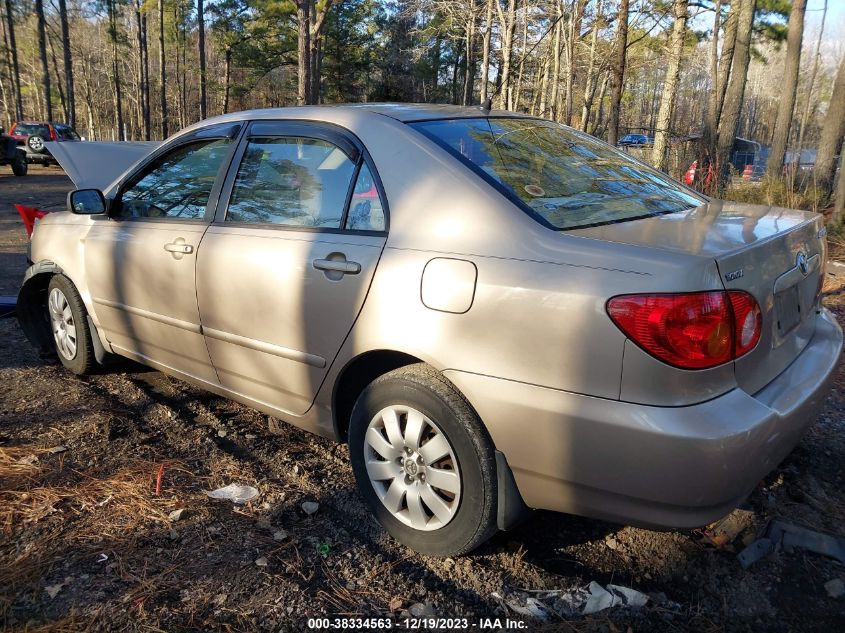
<point>86,202</point>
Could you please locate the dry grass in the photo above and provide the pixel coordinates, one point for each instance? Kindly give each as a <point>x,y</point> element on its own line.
<point>778,192</point>
<point>72,520</point>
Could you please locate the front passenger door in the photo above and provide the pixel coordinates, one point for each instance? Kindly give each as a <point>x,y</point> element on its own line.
<point>141,260</point>
<point>286,265</point>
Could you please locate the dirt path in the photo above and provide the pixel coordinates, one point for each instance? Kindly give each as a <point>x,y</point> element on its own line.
<point>87,544</point>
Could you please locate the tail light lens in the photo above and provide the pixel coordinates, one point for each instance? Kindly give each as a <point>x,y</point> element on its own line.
<point>693,330</point>
<point>52,133</point>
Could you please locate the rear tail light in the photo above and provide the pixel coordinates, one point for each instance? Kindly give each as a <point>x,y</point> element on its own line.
<point>52,134</point>
<point>695,330</point>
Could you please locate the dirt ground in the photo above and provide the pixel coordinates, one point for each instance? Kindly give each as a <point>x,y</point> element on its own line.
<point>88,541</point>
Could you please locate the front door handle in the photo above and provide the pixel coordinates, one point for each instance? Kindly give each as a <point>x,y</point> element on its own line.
<point>337,266</point>
<point>177,247</point>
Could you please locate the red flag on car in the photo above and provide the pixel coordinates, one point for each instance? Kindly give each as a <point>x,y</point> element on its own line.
<point>29,215</point>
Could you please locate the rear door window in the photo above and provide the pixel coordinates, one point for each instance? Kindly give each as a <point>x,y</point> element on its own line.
<point>292,181</point>
<point>563,178</point>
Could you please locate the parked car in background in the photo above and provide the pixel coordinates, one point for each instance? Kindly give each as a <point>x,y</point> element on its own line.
<point>33,134</point>
<point>636,139</point>
<point>496,312</point>
<point>12,154</point>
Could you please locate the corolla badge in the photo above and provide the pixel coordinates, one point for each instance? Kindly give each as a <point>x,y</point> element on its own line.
<point>801,262</point>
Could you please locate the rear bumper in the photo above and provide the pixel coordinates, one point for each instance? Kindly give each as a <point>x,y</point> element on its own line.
<point>678,467</point>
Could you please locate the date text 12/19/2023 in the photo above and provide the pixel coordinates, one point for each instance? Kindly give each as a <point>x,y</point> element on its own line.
<point>416,624</point>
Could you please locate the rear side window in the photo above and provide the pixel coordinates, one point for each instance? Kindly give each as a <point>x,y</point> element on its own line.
<point>177,185</point>
<point>66,133</point>
<point>563,178</point>
<point>291,181</point>
<point>365,210</point>
<point>33,129</point>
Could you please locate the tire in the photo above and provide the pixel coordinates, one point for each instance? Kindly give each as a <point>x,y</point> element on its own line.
<point>461,485</point>
<point>73,340</point>
<point>36,144</point>
<point>19,165</point>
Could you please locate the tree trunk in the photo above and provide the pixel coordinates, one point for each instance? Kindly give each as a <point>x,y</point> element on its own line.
<point>517,95</point>
<point>201,44</point>
<point>58,79</point>
<point>68,63</point>
<point>118,97</point>
<point>660,154</point>
<point>600,100</point>
<point>162,73</point>
<point>42,51</point>
<point>617,78</point>
<point>734,94</point>
<point>707,147</point>
<point>16,74</point>
<point>554,111</point>
<point>726,59</point>
<point>590,85</point>
<point>833,129</point>
<point>485,55</point>
<point>469,62</point>
<point>142,78</point>
<point>303,49</point>
<point>507,23</point>
<point>816,58</point>
<point>783,123</point>
<point>145,94</point>
<point>227,78</point>
<point>839,200</point>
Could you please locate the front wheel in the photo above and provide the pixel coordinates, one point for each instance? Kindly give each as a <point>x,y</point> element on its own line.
<point>69,324</point>
<point>423,462</point>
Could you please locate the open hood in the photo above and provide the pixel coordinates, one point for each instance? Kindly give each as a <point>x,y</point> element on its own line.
<point>97,164</point>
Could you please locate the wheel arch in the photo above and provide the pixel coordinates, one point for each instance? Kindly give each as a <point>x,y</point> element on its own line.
<point>361,370</point>
<point>31,306</point>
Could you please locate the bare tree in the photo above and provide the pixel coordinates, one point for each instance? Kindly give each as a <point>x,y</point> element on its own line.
<point>507,23</point>
<point>812,83</point>
<point>162,70</point>
<point>13,50</point>
<point>833,130</point>
<point>42,51</point>
<point>729,119</point>
<point>114,37</point>
<point>201,44</point>
<point>485,54</point>
<point>617,78</point>
<point>659,156</point>
<point>68,64</point>
<point>143,69</point>
<point>469,55</point>
<point>783,123</point>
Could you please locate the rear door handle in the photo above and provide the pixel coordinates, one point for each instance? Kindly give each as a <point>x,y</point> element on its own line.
<point>343,267</point>
<point>177,247</point>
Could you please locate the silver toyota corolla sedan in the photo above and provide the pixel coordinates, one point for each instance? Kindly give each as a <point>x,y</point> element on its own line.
<point>494,311</point>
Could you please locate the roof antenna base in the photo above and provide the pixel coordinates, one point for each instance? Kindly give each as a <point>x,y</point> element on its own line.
<point>486,105</point>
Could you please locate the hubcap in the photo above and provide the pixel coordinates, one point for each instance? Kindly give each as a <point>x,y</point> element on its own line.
<point>61,320</point>
<point>412,467</point>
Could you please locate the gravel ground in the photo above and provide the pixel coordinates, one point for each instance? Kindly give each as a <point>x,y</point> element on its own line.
<point>89,541</point>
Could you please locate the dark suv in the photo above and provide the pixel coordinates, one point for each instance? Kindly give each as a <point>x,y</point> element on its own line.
<point>33,134</point>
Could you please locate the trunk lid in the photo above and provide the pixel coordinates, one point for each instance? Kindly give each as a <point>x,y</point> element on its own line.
<point>774,254</point>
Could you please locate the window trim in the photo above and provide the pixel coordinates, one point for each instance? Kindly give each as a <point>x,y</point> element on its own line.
<point>512,197</point>
<point>233,131</point>
<point>301,128</point>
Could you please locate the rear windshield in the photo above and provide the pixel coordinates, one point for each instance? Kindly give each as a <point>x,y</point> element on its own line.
<point>33,129</point>
<point>563,178</point>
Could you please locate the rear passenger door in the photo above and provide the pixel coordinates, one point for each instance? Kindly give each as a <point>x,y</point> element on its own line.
<point>286,265</point>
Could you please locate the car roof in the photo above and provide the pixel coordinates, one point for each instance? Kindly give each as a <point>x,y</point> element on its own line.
<point>405,112</point>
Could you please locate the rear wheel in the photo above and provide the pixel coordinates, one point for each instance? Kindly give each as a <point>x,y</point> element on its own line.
<point>69,324</point>
<point>423,462</point>
<point>19,166</point>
